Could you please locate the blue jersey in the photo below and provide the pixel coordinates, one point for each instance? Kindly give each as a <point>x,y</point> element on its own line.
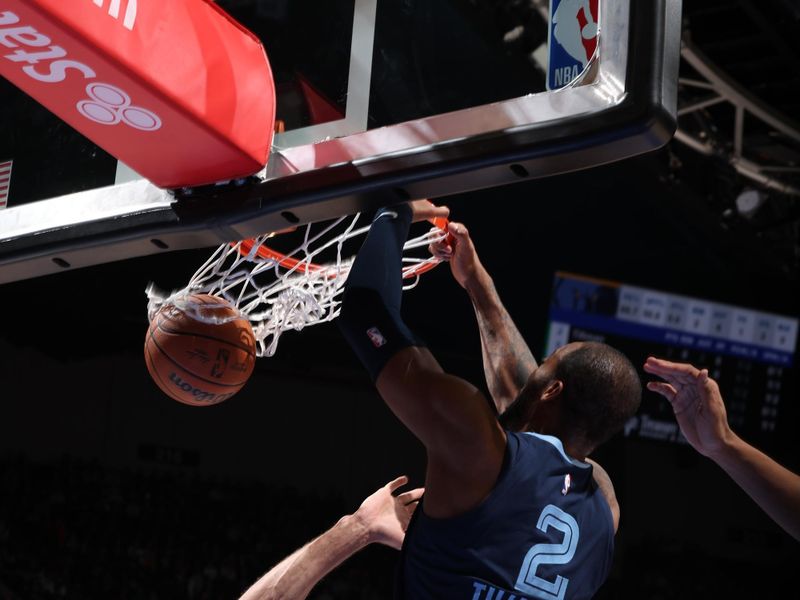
<point>545,531</point>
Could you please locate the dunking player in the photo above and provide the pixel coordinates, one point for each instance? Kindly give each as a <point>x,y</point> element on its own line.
<point>511,511</point>
<point>383,517</point>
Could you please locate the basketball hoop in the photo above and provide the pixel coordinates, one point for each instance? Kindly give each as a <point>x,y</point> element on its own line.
<point>278,291</point>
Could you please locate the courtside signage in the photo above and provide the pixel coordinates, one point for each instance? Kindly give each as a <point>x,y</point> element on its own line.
<point>571,40</point>
<point>135,79</point>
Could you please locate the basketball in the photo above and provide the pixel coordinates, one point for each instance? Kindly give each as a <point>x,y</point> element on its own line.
<point>199,350</point>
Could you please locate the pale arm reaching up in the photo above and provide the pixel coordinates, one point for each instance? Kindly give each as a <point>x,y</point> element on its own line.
<point>382,518</point>
<point>700,412</point>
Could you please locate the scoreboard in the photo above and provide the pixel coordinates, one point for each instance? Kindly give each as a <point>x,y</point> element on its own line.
<point>750,353</point>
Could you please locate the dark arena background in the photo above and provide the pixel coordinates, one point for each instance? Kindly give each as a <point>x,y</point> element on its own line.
<point>108,489</point>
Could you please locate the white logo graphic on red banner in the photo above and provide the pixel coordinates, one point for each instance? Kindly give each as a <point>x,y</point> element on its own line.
<point>109,105</point>
<point>114,6</point>
<point>5,181</point>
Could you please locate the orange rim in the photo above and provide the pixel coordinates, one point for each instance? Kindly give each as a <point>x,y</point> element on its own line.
<point>289,263</point>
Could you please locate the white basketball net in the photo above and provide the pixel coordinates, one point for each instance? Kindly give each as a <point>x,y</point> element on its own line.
<point>290,290</point>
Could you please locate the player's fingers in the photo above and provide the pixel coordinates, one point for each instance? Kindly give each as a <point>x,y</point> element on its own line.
<point>458,230</point>
<point>397,483</point>
<point>439,212</point>
<point>432,211</point>
<point>665,389</point>
<point>436,210</point>
<point>441,250</point>
<point>425,210</point>
<point>411,496</point>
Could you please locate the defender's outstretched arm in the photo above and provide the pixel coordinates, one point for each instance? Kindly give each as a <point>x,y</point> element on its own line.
<point>701,415</point>
<point>382,518</point>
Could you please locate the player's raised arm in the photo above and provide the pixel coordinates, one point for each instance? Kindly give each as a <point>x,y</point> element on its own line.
<point>507,360</point>
<point>701,415</point>
<point>464,442</point>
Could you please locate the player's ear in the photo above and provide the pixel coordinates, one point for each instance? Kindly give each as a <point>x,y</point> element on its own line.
<point>553,390</point>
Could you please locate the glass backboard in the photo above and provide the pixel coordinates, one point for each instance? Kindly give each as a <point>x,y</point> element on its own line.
<point>377,102</point>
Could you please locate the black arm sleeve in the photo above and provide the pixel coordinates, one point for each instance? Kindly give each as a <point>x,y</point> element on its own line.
<point>370,319</point>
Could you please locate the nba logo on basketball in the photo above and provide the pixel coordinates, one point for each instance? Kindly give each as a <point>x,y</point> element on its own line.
<point>572,40</point>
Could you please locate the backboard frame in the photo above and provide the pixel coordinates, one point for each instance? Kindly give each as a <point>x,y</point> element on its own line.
<point>628,108</point>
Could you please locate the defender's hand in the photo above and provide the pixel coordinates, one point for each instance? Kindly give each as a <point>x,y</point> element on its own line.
<point>697,403</point>
<point>386,516</point>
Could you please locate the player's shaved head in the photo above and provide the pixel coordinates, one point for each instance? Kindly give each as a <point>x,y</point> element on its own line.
<point>601,391</point>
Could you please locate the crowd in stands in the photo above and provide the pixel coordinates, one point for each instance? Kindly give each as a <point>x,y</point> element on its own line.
<point>72,529</point>
<point>77,529</point>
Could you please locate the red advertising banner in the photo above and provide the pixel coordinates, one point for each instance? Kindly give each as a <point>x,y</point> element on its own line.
<point>177,90</point>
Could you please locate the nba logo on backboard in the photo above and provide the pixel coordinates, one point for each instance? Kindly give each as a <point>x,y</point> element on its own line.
<point>571,41</point>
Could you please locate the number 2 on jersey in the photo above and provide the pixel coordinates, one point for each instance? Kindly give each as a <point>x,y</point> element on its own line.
<point>549,554</point>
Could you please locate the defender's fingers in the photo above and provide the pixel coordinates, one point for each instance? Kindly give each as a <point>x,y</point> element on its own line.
<point>658,365</point>
<point>672,372</point>
<point>662,388</point>
<point>708,384</point>
<point>411,496</point>
<point>397,483</point>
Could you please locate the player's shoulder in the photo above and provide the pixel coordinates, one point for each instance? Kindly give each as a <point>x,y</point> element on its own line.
<point>547,447</point>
